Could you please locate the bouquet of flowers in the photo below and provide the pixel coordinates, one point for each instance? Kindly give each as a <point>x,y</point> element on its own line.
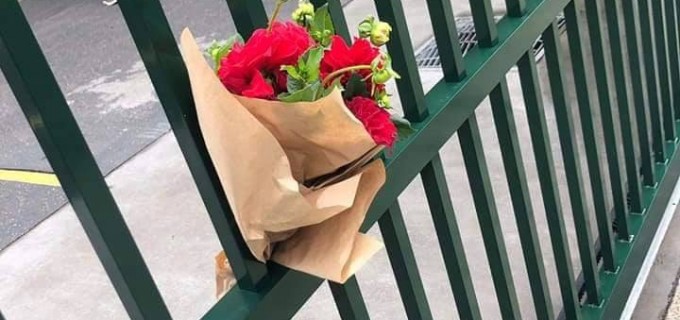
<point>293,119</point>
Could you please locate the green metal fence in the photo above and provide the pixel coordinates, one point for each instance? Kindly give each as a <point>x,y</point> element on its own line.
<point>643,104</point>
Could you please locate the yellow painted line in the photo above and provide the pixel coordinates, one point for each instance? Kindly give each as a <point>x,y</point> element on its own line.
<point>39,178</point>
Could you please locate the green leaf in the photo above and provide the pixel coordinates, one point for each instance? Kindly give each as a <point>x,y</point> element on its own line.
<point>292,71</point>
<point>218,49</point>
<point>322,22</point>
<point>313,63</point>
<point>322,19</point>
<point>404,128</point>
<point>305,72</point>
<point>355,87</point>
<point>294,84</point>
<point>308,93</point>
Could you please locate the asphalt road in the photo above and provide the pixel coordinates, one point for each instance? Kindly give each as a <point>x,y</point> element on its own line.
<point>99,70</point>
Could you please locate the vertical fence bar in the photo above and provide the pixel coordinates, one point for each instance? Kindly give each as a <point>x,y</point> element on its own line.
<point>433,176</point>
<point>413,102</point>
<point>434,181</point>
<point>506,131</point>
<point>338,17</point>
<point>448,233</point>
<point>597,185</point>
<point>446,36</point>
<point>515,8</point>
<point>485,25</point>
<point>156,44</point>
<point>677,33</point>
<point>673,55</point>
<point>42,102</point>
<point>625,122</point>
<point>606,117</point>
<point>247,16</point>
<point>487,214</point>
<point>400,49</point>
<point>482,192</point>
<point>662,65</point>
<point>349,300</point>
<point>546,173</point>
<point>653,94</point>
<point>404,265</point>
<point>570,156</point>
<point>638,82</point>
<point>347,296</point>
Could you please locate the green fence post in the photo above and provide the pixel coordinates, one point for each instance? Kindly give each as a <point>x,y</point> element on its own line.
<point>540,140</point>
<point>639,86</point>
<point>247,16</point>
<point>410,87</point>
<point>157,47</point>
<point>515,174</point>
<point>625,122</point>
<point>597,46</point>
<point>404,264</point>
<point>515,8</point>
<point>673,56</point>
<point>487,215</point>
<point>604,222</point>
<point>662,43</point>
<point>570,155</point>
<point>446,36</point>
<point>485,24</point>
<point>50,118</point>
<point>450,242</point>
<point>434,177</point>
<point>677,76</point>
<point>653,93</point>
<point>348,299</point>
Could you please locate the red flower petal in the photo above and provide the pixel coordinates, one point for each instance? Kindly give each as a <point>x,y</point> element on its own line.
<point>375,119</point>
<point>258,88</point>
<point>340,56</point>
<point>262,56</point>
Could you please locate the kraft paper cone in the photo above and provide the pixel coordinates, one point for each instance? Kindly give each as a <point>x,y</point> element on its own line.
<point>258,173</point>
<point>252,167</point>
<point>309,249</point>
<point>318,137</point>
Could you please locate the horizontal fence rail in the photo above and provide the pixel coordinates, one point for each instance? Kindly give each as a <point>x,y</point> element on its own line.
<point>632,98</point>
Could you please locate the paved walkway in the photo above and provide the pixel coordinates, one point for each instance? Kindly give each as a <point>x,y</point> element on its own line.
<point>104,81</point>
<point>110,94</point>
<point>673,311</point>
<point>52,272</point>
<point>660,298</point>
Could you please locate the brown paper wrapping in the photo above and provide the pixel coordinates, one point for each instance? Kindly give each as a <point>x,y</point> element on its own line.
<point>333,249</point>
<point>262,152</point>
<point>318,137</point>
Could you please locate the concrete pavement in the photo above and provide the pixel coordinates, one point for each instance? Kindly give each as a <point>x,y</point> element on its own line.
<point>52,272</point>
<point>660,298</point>
<point>104,81</point>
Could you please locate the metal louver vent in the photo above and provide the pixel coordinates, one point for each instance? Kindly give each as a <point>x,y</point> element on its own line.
<point>428,56</point>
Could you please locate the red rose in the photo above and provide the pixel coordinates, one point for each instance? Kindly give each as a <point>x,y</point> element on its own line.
<point>375,119</point>
<point>341,56</point>
<point>258,87</point>
<point>253,69</point>
<point>238,69</point>
<point>288,41</point>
